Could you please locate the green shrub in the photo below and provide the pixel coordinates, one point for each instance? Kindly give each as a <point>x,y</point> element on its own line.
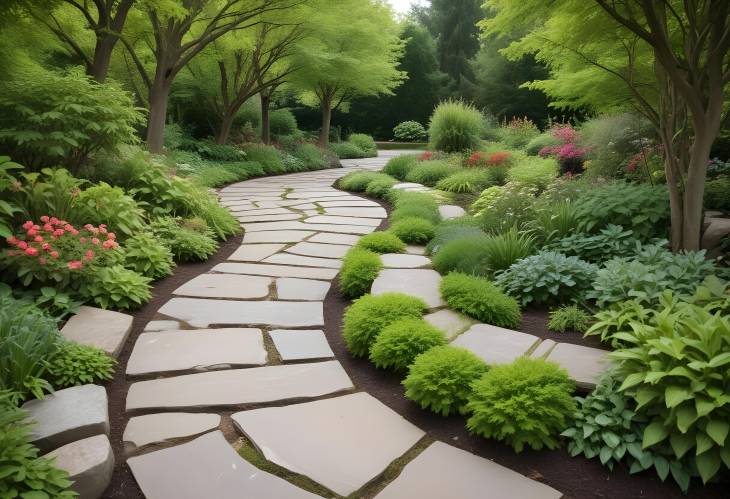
<point>611,242</point>
<point>401,199</point>
<point>50,192</point>
<point>369,315</point>
<point>466,181</point>
<point>449,230</point>
<point>244,169</point>
<point>381,242</point>
<point>380,187</point>
<point>409,131</point>
<point>401,341</point>
<point>146,255</point>
<point>505,207</point>
<point>218,152</point>
<point>440,379</point>
<point>533,171</point>
<point>267,156</point>
<point>613,140</point>
<point>466,255</point>
<point>364,143</point>
<point>547,277</point>
<point>118,288</point>
<point>413,210</point>
<point>282,122</point>
<point>545,139</point>
<point>103,204</point>
<point>76,364</point>
<point>430,172</point>
<point>717,194</point>
<point>399,166</point>
<point>503,250</point>
<point>413,230</point>
<point>642,208</point>
<point>480,299</point>
<point>360,267</point>
<point>517,133</point>
<point>311,156</point>
<point>358,181</point>
<point>216,176</point>
<point>569,318</point>
<point>455,127</point>
<point>525,403</point>
<point>203,204</point>
<point>24,473</point>
<point>8,209</point>
<point>185,244</point>
<point>347,150</point>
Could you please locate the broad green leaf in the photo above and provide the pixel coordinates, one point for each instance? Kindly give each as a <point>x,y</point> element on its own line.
<point>708,464</point>
<point>654,433</point>
<point>681,443</point>
<point>718,430</point>
<point>675,395</point>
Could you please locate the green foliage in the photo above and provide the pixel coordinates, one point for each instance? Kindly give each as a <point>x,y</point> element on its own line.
<point>184,243</point>
<point>425,211</point>
<point>218,152</point>
<point>399,166</point>
<point>347,150</point>
<point>547,277</point>
<point>146,255</point>
<point>517,133</point>
<point>409,131</point>
<point>215,176</point>
<point>501,208</point>
<point>381,242</point>
<point>282,122</point>
<point>534,171</point>
<point>642,208</point>
<point>527,402</point>
<point>360,267</point>
<point>430,172</point>
<point>50,192</point>
<point>413,230</point>
<point>545,139</point>
<point>24,473</point>
<point>440,379</point>
<point>569,318</point>
<point>449,230</point>
<point>49,119</point>
<point>717,194</point>
<point>402,199</point>
<point>369,315</point>
<point>7,208</point>
<point>611,242</point>
<point>310,156</point>
<point>380,187</point>
<point>76,364</point>
<point>118,288</point>
<point>480,299</point>
<point>455,127</point>
<point>103,204</point>
<point>552,220</point>
<point>613,140</point>
<point>364,143</point>
<point>267,156</point>
<point>358,181</point>
<point>466,181</point>
<point>401,341</point>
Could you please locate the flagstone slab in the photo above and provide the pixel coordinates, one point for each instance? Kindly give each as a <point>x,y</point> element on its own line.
<point>319,250</point>
<point>295,225</point>
<point>450,322</point>
<point>240,386</point>
<point>163,325</point>
<point>289,288</point>
<point>249,212</point>
<point>276,236</point>
<point>406,185</point>
<point>345,204</point>
<point>342,229</point>
<point>269,218</point>
<point>275,270</point>
<point>330,219</point>
<point>357,212</point>
<point>166,426</point>
<point>324,237</point>
<point>400,261</point>
<point>449,211</point>
<point>99,328</point>
<point>355,436</point>
<point>201,349</point>
<point>297,194</point>
<point>207,467</point>
<point>200,312</point>
<point>298,344</point>
<point>543,349</point>
<point>584,364</point>
<point>89,463</point>
<point>255,252</point>
<point>496,345</point>
<point>416,250</point>
<point>225,286</point>
<point>423,283</point>
<point>303,261</point>
<point>68,415</point>
<point>443,471</point>
<point>304,206</point>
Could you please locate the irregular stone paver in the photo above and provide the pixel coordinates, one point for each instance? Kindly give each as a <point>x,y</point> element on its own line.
<point>250,212</point>
<point>196,349</point>
<point>303,261</point>
<point>347,229</point>
<point>269,218</point>
<point>100,328</point>
<point>255,252</point>
<point>450,322</point>
<point>357,212</point>
<point>407,185</point>
<point>356,437</point>
<point>423,283</point>
<point>68,415</point>
<point>156,428</point>
<point>225,286</point>
<point>400,261</point>
<point>416,250</point>
<point>276,236</point>
<point>443,471</point>
<point>496,345</point>
<point>344,204</point>
<point>89,463</point>
<point>330,219</point>
<point>276,270</point>
<point>200,312</point>
<point>288,288</point>
<point>449,211</point>
<point>297,344</point>
<point>162,325</point>
<point>239,386</point>
<point>207,467</point>
<point>584,364</point>
<point>319,250</point>
<point>344,239</point>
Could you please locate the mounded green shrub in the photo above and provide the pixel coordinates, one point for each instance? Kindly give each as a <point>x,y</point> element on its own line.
<point>455,127</point>
<point>440,379</point>
<point>413,210</point>
<point>358,181</point>
<point>480,299</point>
<point>381,242</point>
<point>215,176</point>
<point>380,187</point>
<point>569,318</point>
<point>465,181</point>
<point>104,204</point>
<point>369,315</point>
<point>146,255</point>
<point>360,267</point>
<point>399,166</point>
<point>185,243</point>
<point>413,230</point>
<point>347,150</point>
<point>525,403</point>
<point>401,341</point>
<point>267,156</point>
<point>118,288</point>
<point>401,199</point>
<point>717,194</point>
<point>409,131</point>
<point>430,172</point>
<point>282,122</point>
<point>364,142</point>
<point>76,364</point>
<point>534,171</point>
<point>453,229</point>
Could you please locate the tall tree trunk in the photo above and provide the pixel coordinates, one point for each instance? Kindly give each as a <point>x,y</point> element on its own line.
<point>694,190</point>
<point>102,57</point>
<point>265,124</point>
<point>324,133</point>
<point>225,127</point>
<point>159,94</point>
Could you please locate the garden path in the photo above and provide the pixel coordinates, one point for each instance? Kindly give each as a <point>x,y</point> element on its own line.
<point>242,346</point>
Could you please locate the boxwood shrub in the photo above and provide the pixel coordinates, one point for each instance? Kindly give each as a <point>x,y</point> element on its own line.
<point>480,299</point>
<point>400,342</point>
<point>413,230</point>
<point>360,267</point>
<point>381,242</point>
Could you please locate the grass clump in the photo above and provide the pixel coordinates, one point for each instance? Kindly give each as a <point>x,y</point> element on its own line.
<point>399,166</point>
<point>430,172</point>
<point>480,299</point>
<point>381,242</point>
<point>534,171</point>
<point>413,230</point>
<point>455,127</point>
<point>466,181</point>
<point>440,379</point>
<point>569,318</point>
<point>347,150</point>
<point>358,181</point>
<point>525,403</point>
<point>399,343</point>
<point>380,187</point>
<point>369,315</point>
<point>364,142</point>
<point>360,267</point>
<point>267,156</point>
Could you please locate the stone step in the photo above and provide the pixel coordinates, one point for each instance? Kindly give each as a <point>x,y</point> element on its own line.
<point>99,328</point>
<point>275,270</point>
<point>320,250</point>
<point>422,283</point>
<point>449,211</point>
<point>400,261</point>
<point>584,364</point>
<point>255,252</point>
<point>276,236</point>
<point>303,261</point>
<point>496,345</point>
<point>290,288</point>
<point>89,463</point>
<point>166,426</point>
<point>450,322</point>
<point>226,286</point>
<point>298,344</point>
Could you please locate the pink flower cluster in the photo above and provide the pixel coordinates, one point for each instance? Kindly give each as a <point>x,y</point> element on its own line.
<point>428,155</point>
<point>646,153</point>
<point>565,133</point>
<point>568,149</point>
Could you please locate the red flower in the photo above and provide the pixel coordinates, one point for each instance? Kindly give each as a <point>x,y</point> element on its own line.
<point>31,251</point>
<point>48,228</point>
<point>46,247</point>
<point>109,244</point>
<point>54,254</point>
<point>75,265</point>
<point>22,245</point>
<point>28,225</point>
<point>111,236</point>
<point>425,156</point>
<point>498,158</point>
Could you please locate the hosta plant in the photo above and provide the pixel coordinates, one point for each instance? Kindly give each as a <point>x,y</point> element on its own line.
<point>118,288</point>
<point>146,255</point>
<point>610,242</point>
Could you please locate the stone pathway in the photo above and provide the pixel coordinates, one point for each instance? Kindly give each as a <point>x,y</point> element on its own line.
<point>242,347</point>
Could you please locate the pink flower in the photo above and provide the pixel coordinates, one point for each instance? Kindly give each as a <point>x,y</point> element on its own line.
<point>42,261</point>
<point>22,245</point>
<point>45,219</point>
<point>12,240</point>
<point>565,133</point>
<point>53,221</point>
<point>102,229</point>
<point>82,240</point>
<point>28,225</point>
<point>111,236</point>
<point>58,232</point>
<point>31,251</point>
<point>32,232</point>
<point>74,232</point>
<point>38,239</point>
<point>46,247</point>
<point>68,227</point>
<point>94,241</point>
<point>75,265</point>
<point>89,254</point>
<point>48,228</point>
<point>54,254</point>
<point>88,227</point>
<point>109,244</point>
